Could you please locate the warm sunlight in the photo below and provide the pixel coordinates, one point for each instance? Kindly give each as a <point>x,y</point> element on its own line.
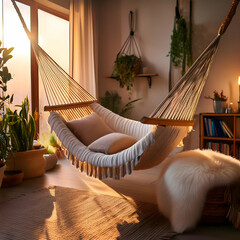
<point>53,216</point>
<point>14,36</point>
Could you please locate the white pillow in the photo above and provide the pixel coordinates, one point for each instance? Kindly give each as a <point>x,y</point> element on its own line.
<point>89,128</point>
<point>112,143</point>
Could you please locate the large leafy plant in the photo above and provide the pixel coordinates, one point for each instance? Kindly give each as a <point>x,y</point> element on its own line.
<point>21,127</point>
<point>5,77</point>
<point>125,69</point>
<point>113,101</point>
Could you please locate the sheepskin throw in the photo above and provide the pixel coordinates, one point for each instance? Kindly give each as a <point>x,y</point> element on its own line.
<point>185,180</point>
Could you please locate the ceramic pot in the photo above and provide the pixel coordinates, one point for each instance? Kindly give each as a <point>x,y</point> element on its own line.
<point>31,162</point>
<point>51,161</point>
<point>2,173</point>
<point>219,106</point>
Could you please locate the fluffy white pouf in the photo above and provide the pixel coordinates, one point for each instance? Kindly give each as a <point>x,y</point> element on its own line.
<point>185,180</point>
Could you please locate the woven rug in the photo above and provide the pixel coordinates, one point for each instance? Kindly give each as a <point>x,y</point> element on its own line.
<point>66,213</point>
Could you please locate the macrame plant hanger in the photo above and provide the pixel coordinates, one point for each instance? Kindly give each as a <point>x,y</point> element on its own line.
<point>128,59</point>
<point>130,46</point>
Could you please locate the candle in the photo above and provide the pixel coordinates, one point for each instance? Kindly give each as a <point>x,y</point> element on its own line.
<point>239,87</point>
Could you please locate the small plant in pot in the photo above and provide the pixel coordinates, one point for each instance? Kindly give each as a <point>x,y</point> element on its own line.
<point>125,69</point>
<point>22,132</point>
<point>53,150</point>
<point>219,101</point>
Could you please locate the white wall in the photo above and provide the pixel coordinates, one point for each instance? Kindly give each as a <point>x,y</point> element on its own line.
<point>154,20</point>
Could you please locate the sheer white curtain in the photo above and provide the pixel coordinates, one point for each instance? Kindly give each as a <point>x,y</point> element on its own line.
<point>82,45</point>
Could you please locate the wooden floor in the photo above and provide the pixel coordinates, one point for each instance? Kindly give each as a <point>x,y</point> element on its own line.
<point>140,185</point>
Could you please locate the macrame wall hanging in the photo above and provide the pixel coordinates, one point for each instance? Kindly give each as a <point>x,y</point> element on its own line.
<point>128,60</point>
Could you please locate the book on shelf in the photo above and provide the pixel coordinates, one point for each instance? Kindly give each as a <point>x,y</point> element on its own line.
<point>224,148</point>
<point>206,127</point>
<point>216,128</point>
<point>227,129</point>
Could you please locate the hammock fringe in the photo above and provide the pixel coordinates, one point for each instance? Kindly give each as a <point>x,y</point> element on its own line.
<point>91,170</point>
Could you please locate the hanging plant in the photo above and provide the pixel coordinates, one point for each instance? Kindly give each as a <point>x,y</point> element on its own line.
<point>125,69</point>
<point>180,51</point>
<point>128,60</point>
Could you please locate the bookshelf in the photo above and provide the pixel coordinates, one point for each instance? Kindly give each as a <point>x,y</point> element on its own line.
<point>220,132</point>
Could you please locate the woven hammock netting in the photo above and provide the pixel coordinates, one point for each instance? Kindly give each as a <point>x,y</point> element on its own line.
<point>67,97</point>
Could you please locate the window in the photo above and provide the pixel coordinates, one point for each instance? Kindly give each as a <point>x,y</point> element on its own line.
<point>52,30</point>
<point>14,36</point>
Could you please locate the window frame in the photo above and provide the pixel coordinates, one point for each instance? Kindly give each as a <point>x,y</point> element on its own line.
<point>34,7</point>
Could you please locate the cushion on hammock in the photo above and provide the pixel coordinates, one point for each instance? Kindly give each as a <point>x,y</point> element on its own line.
<point>89,128</point>
<point>112,143</point>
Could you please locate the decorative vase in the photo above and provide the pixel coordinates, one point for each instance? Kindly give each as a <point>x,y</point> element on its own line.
<point>31,162</point>
<point>219,106</point>
<point>2,173</point>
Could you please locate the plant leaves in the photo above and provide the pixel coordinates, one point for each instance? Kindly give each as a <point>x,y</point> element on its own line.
<point>11,99</point>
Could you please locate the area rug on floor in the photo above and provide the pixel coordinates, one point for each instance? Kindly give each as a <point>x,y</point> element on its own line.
<point>66,213</point>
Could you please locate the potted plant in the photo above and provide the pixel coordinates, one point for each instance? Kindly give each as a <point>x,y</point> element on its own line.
<point>219,101</point>
<point>53,150</point>
<point>22,132</point>
<point>125,69</point>
<point>113,101</point>
<point>5,77</point>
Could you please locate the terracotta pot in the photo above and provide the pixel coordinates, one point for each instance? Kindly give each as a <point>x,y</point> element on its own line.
<point>12,178</point>
<point>2,173</point>
<point>31,162</point>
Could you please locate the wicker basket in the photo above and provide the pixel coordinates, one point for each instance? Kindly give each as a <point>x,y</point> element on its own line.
<point>216,207</point>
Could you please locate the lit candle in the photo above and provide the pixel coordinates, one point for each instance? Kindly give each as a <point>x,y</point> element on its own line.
<point>239,87</point>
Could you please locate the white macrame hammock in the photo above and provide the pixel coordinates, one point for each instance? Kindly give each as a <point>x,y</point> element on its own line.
<point>157,137</point>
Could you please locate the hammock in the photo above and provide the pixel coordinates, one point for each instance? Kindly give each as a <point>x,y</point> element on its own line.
<point>157,137</point>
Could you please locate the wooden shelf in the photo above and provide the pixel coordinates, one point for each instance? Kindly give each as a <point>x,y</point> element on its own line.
<point>219,138</point>
<point>221,143</point>
<point>146,75</point>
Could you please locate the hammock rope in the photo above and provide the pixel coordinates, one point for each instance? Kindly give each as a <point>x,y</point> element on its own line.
<point>63,93</point>
<point>181,103</point>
